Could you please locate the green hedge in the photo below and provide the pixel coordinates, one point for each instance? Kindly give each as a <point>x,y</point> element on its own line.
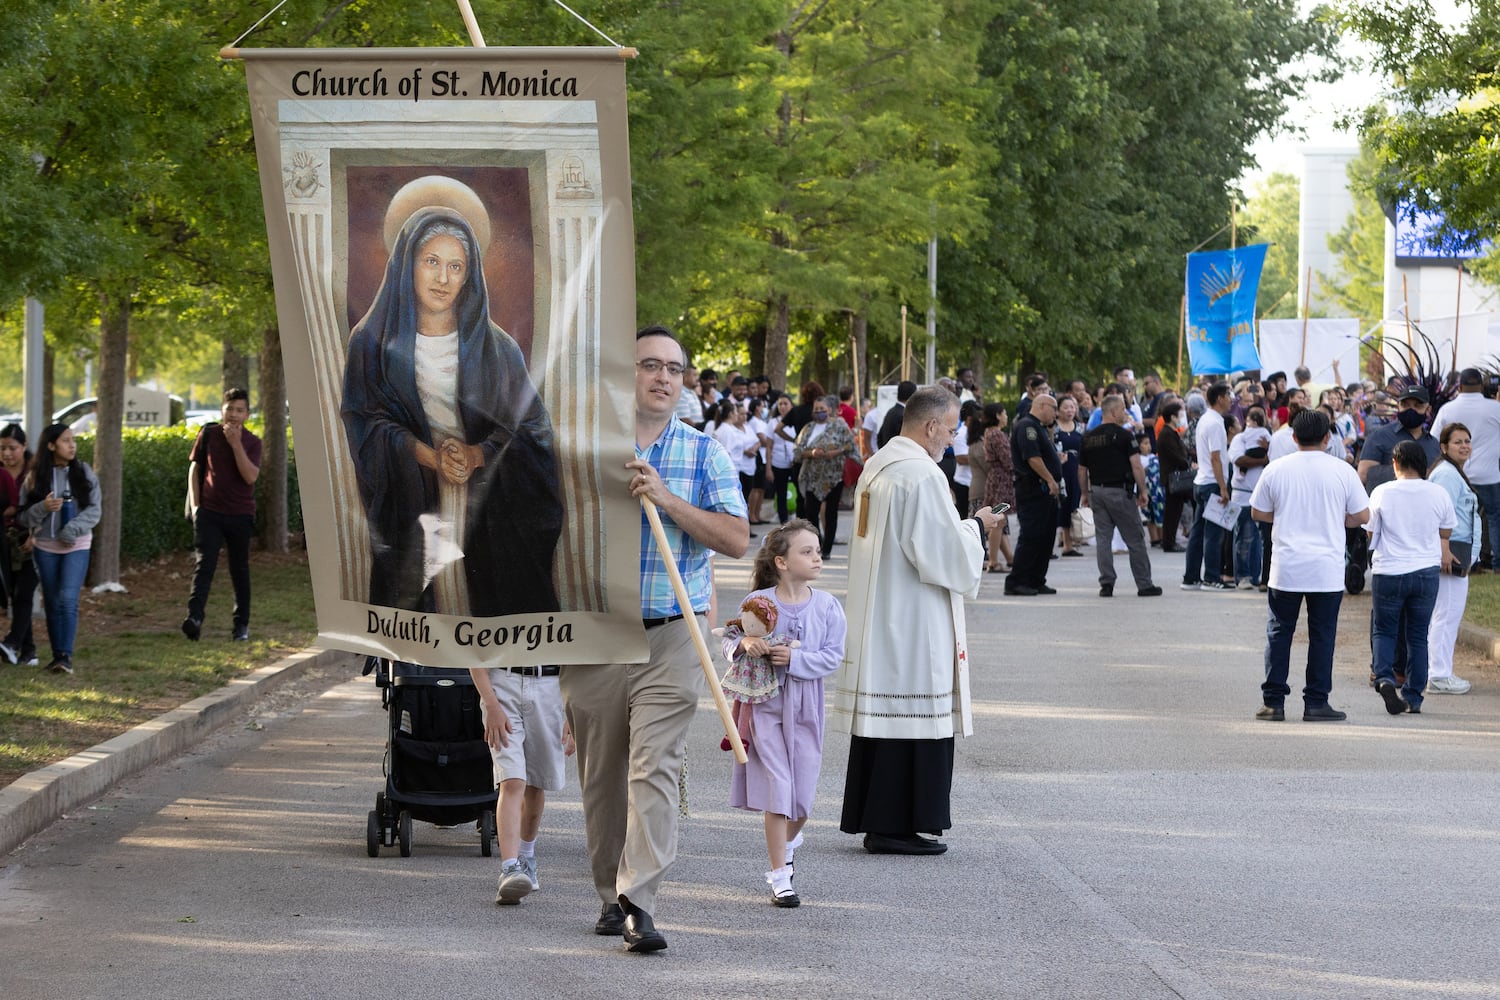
<point>155,483</point>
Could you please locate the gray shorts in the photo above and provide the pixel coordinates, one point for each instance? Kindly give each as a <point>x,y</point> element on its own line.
<point>534,706</point>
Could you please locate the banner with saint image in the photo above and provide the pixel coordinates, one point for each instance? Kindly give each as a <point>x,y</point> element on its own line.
<point>1221,290</point>
<point>452,247</point>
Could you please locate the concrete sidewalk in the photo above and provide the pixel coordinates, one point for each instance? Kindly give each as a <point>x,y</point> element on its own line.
<point>36,800</point>
<point>1124,828</point>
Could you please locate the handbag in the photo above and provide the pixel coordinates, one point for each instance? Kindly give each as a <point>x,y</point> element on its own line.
<point>1081,523</point>
<point>1180,483</point>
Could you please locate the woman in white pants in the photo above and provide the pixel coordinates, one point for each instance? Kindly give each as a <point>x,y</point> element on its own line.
<point>1453,582</point>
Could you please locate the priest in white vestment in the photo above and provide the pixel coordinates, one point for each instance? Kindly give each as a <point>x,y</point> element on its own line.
<point>903,687</point>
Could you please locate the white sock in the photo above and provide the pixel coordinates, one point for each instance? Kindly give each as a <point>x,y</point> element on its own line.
<point>508,861</point>
<point>791,847</point>
<point>528,848</point>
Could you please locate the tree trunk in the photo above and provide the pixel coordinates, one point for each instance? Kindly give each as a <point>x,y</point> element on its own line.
<point>114,345</point>
<point>49,372</point>
<point>273,455</point>
<point>822,366</point>
<point>862,354</point>
<point>236,369</point>
<point>778,323</point>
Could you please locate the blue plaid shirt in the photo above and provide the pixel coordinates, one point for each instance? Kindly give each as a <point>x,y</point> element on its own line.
<point>696,468</point>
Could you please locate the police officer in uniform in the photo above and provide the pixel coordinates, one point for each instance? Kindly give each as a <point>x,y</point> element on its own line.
<point>1038,486</point>
<point>1116,491</point>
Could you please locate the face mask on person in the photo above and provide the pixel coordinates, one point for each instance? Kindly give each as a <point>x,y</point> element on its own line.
<point>1411,419</point>
<point>1182,422</point>
<point>820,418</point>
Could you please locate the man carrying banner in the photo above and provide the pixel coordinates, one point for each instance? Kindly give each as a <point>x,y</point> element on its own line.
<point>630,720</point>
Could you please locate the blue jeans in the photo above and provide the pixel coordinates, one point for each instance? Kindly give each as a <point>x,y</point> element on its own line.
<point>1246,545</point>
<point>61,577</point>
<point>1322,632</point>
<point>1489,499</point>
<point>1403,603</point>
<point>1205,540</point>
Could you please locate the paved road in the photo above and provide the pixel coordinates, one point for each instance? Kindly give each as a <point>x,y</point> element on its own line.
<point>1124,829</point>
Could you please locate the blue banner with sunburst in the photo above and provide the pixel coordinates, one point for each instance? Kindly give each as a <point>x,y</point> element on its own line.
<point>1221,289</point>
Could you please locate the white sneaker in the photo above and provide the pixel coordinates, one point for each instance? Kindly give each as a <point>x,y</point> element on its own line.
<point>514,884</point>
<point>1448,685</point>
<point>1192,586</point>
<point>528,865</point>
<point>9,654</point>
<point>1247,584</point>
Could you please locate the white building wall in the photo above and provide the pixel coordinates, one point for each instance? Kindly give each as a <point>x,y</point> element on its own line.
<point>1325,207</point>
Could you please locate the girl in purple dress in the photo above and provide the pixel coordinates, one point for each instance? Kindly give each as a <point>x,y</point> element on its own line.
<point>781,776</point>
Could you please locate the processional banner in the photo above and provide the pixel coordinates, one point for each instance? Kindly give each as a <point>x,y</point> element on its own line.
<point>1221,290</point>
<point>452,248</point>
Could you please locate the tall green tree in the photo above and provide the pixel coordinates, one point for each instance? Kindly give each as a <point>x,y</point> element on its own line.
<point>1434,133</point>
<point>1122,129</point>
<point>1271,216</point>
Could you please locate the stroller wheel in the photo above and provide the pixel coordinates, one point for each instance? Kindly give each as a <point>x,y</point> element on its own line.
<point>487,833</point>
<point>372,834</point>
<point>403,831</point>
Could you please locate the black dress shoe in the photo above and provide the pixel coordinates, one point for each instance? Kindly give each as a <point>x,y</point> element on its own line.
<point>1151,591</point>
<point>1020,591</point>
<point>1271,713</point>
<point>879,843</point>
<point>1393,703</point>
<point>1322,713</point>
<point>1413,709</point>
<point>641,935</point>
<point>611,922</point>
<point>1106,590</point>
<point>1044,589</point>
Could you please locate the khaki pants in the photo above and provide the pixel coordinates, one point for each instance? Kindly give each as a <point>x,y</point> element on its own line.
<point>630,721</point>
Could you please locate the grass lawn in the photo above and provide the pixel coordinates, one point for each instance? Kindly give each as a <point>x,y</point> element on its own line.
<point>132,663</point>
<point>1484,601</point>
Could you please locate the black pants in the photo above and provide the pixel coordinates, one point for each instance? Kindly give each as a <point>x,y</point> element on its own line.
<point>22,597</point>
<point>1037,512</point>
<point>830,504</point>
<point>782,479</point>
<point>1265,552</point>
<point>1171,518</point>
<point>212,530</point>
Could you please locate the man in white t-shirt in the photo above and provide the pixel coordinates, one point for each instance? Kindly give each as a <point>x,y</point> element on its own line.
<point>1482,417</point>
<point>1309,499</point>
<point>1205,559</point>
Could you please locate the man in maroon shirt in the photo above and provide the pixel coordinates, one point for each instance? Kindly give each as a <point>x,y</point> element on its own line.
<point>226,463</point>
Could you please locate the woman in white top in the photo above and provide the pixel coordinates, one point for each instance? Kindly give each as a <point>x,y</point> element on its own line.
<point>1453,582</point>
<point>755,422</point>
<point>1410,522</point>
<point>783,443</point>
<point>731,430</point>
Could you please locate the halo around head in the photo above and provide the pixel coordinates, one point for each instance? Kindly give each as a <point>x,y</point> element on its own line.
<point>436,191</point>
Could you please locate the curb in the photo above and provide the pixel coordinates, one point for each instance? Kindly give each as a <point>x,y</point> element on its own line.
<point>1482,640</point>
<point>36,800</point>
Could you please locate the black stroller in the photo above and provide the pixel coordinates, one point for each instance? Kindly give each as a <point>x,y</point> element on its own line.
<point>437,764</point>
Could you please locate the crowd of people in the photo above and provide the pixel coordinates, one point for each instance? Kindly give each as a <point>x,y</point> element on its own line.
<point>51,500</point>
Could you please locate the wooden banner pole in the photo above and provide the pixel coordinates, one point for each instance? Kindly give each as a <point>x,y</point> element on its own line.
<point>476,38</point>
<point>1306,315</point>
<point>679,588</point>
<point>1457,312</point>
<point>1411,355</point>
<point>1181,340</point>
